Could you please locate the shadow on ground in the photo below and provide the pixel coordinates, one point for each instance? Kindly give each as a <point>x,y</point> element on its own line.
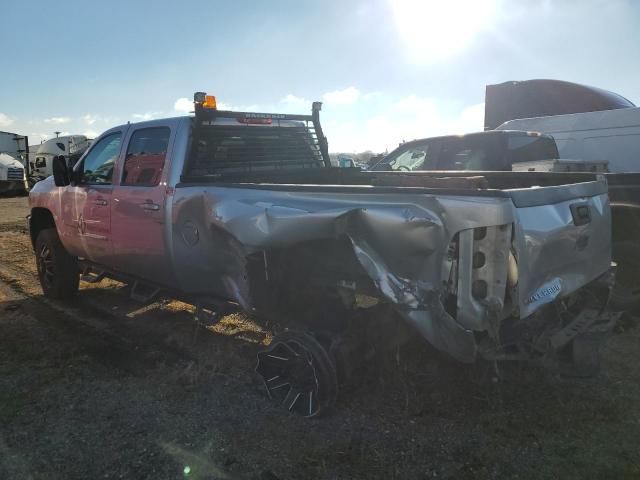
<point>108,388</point>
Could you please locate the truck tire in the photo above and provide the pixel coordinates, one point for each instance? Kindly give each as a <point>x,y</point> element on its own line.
<point>57,270</point>
<point>299,374</point>
<point>626,291</point>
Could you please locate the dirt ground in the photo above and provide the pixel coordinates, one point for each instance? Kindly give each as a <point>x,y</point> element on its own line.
<point>108,388</point>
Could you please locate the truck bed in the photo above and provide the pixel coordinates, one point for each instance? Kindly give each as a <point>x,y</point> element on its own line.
<point>525,188</point>
<point>400,228</point>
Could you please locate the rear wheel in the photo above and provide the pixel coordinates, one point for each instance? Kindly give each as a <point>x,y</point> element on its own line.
<point>299,374</point>
<point>57,270</point>
<point>626,291</point>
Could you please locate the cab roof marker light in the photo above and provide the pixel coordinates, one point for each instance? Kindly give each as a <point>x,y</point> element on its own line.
<point>201,99</point>
<point>210,102</point>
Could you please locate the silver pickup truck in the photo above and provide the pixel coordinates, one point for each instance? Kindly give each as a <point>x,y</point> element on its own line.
<point>233,210</point>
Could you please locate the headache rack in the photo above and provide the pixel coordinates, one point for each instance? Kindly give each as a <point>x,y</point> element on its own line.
<point>228,144</point>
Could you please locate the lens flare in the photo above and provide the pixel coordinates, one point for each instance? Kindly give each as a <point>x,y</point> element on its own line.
<point>433,30</point>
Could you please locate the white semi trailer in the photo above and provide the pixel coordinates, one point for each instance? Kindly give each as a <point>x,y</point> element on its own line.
<point>14,162</point>
<point>12,175</point>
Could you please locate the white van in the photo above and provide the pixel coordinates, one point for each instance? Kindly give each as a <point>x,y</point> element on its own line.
<point>611,135</point>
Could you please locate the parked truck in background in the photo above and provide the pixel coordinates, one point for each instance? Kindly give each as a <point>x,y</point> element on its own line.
<point>12,175</point>
<point>69,146</point>
<point>492,150</point>
<point>14,163</point>
<point>243,210</point>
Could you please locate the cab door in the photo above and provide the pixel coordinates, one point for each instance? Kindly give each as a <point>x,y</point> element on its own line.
<point>138,208</point>
<point>86,205</point>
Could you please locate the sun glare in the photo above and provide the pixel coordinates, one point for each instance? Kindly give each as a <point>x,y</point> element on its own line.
<point>436,29</point>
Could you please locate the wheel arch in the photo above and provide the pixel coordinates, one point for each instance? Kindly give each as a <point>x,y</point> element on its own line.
<point>40,219</point>
<point>300,282</point>
<point>625,222</point>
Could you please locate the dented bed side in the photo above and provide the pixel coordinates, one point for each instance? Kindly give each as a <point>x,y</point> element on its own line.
<point>533,252</point>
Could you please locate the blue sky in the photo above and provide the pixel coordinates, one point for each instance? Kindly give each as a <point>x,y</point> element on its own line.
<point>387,70</point>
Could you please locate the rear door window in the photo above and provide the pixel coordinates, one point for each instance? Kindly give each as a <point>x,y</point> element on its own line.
<point>145,157</point>
<point>530,148</point>
<point>464,154</point>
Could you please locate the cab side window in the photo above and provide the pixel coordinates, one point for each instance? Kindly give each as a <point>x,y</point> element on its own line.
<point>145,157</point>
<point>97,166</point>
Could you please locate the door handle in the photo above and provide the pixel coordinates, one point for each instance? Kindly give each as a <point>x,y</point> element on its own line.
<point>152,207</point>
<point>100,202</point>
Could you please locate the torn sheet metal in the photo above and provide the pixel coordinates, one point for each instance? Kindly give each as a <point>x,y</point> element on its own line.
<point>401,240</point>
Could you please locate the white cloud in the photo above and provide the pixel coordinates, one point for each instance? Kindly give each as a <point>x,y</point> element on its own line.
<point>347,96</point>
<point>381,123</point>
<point>146,116</point>
<point>5,120</point>
<point>90,119</point>
<point>294,101</point>
<point>369,96</point>
<point>42,136</point>
<point>227,106</point>
<point>471,119</point>
<point>45,136</point>
<point>183,105</point>
<point>416,105</point>
<point>90,133</point>
<point>399,119</point>
<point>453,25</point>
<point>57,120</point>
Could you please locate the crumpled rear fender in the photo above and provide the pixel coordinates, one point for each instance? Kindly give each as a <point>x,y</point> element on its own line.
<point>400,241</point>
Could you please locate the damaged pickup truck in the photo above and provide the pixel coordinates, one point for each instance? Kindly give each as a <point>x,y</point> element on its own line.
<point>230,210</point>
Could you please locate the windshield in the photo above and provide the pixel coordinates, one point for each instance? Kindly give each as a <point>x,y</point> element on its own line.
<point>406,159</point>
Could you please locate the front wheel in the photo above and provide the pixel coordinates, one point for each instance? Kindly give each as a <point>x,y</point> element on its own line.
<point>57,270</point>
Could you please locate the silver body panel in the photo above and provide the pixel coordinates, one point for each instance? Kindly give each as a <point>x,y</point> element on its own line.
<point>401,241</point>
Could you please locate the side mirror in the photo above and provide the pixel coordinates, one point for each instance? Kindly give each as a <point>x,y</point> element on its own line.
<point>61,175</point>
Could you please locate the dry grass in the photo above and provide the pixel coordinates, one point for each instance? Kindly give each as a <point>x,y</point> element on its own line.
<point>109,389</point>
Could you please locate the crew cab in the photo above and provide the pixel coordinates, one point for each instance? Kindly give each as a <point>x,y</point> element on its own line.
<point>242,210</point>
